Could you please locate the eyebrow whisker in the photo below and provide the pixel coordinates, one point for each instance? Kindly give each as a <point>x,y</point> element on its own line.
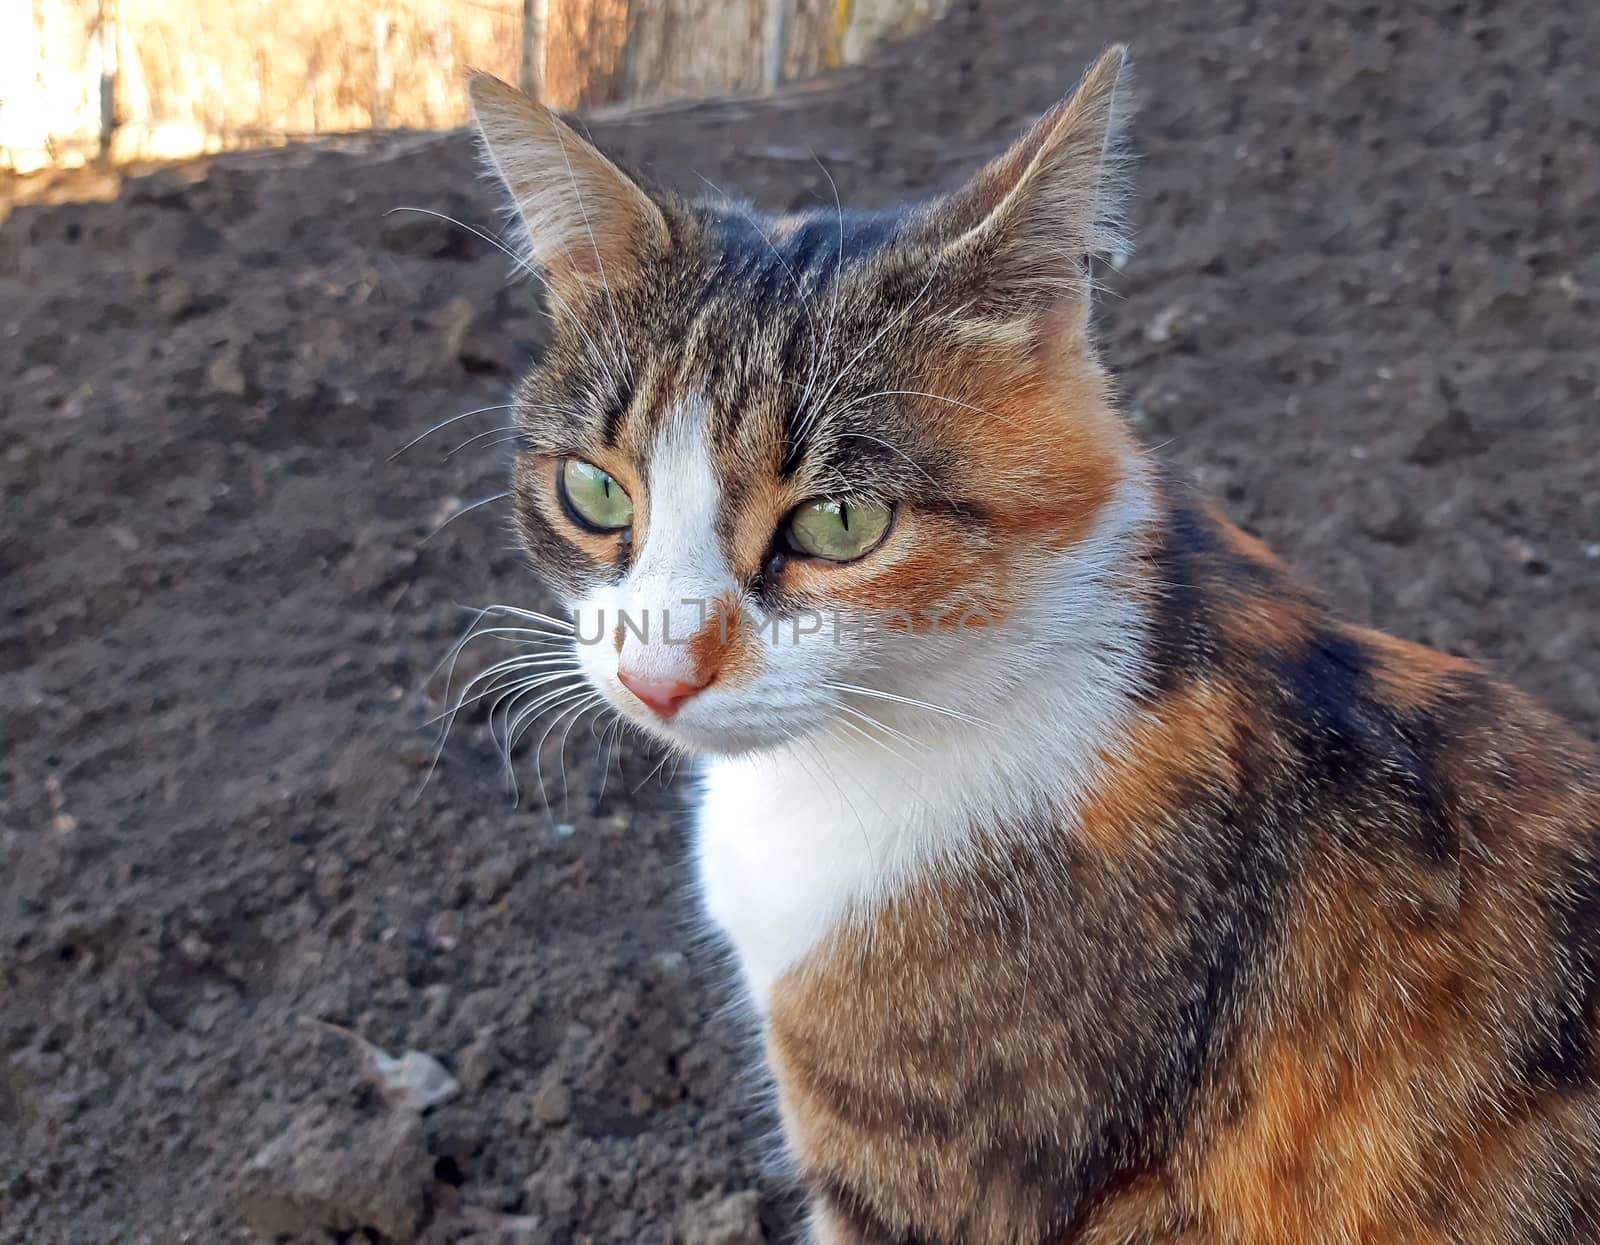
<point>445,423</point>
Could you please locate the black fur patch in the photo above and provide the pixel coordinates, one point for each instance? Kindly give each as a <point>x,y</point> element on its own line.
<point>1563,1056</point>
<point>1184,643</point>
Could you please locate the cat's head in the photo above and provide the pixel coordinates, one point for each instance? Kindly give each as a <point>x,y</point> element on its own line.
<point>792,472</point>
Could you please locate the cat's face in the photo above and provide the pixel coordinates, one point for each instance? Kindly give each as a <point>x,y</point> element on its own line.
<point>791,473</point>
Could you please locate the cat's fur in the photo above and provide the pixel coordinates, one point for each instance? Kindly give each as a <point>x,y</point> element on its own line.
<point>1176,909</point>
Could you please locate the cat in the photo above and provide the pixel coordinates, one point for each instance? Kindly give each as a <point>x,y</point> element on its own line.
<point>1090,880</point>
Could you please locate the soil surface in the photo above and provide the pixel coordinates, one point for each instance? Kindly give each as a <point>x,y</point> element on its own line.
<point>1364,313</point>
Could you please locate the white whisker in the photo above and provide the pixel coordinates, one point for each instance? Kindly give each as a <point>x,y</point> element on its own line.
<point>896,450</point>
<point>481,410</point>
<point>535,615</point>
<point>908,740</point>
<point>821,404</point>
<point>555,666</point>
<point>514,430</point>
<point>956,714</point>
<point>838,266</point>
<point>529,698</point>
<point>464,510</point>
<point>572,716</point>
<point>525,716</point>
<point>523,265</point>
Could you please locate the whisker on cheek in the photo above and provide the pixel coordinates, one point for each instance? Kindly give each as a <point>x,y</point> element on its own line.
<point>909,701</point>
<point>593,701</point>
<point>515,611</point>
<point>560,666</point>
<point>512,717</point>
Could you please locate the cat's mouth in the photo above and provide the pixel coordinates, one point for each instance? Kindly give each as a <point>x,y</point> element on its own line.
<point>714,721</point>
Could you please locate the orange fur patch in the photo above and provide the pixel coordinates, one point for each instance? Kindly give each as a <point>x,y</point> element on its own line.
<point>1408,675</point>
<point>1268,622</point>
<point>1189,736</point>
<point>767,504</point>
<point>1240,541</point>
<point>1044,448</point>
<point>724,649</point>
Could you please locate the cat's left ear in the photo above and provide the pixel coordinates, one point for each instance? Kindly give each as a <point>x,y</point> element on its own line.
<point>586,220</point>
<point>1026,226</point>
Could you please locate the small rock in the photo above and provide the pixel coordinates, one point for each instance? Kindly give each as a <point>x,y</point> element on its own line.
<point>1164,326</point>
<point>417,753</point>
<point>456,1135</point>
<point>553,1195</point>
<point>1449,438</point>
<point>552,1104</point>
<point>178,301</point>
<point>445,929</point>
<point>668,972</point>
<point>339,1174</point>
<point>467,341</point>
<point>493,879</point>
<point>1385,513</point>
<point>124,537</point>
<point>723,1219</point>
<point>415,1081</point>
<point>518,1230</point>
<point>437,1004</point>
<point>332,879</point>
<point>225,374</point>
<point>1527,556</point>
<point>194,949</point>
<point>480,1061</point>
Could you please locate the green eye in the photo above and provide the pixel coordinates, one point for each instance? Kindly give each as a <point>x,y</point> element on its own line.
<point>840,531</point>
<point>594,498</point>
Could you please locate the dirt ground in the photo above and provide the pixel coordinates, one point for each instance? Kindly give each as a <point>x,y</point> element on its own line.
<point>1364,313</point>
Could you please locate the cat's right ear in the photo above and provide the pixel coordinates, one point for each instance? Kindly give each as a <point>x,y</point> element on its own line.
<point>586,220</point>
<point>1024,229</point>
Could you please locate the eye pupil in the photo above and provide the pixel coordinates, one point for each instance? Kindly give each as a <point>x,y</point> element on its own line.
<point>593,498</point>
<point>836,530</point>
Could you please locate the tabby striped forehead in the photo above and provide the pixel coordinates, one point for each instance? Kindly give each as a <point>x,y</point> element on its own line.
<point>790,335</point>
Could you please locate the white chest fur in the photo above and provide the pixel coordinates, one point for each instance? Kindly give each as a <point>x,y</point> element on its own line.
<point>785,848</point>
<point>791,842</point>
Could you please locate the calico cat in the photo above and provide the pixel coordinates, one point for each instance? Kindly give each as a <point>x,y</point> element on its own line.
<point>1092,882</point>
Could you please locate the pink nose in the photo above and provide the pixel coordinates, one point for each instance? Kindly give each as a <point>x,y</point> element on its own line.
<point>664,696</point>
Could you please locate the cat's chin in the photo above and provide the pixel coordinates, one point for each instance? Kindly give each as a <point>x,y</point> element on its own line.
<point>684,733</point>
